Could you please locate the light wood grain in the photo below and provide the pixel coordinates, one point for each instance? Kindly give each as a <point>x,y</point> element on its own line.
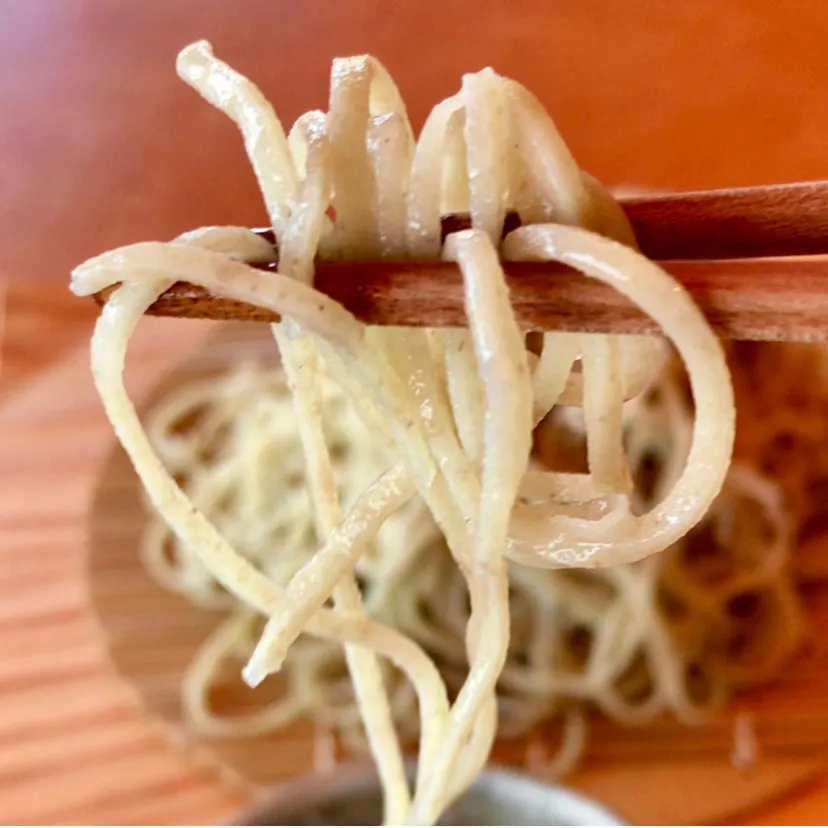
<point>75,747</point>
<point>31,311</point>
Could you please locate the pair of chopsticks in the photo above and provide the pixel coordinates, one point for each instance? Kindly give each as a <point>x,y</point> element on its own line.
<point>745,255</point>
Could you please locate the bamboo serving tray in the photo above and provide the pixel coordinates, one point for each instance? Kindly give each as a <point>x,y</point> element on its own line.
<point>659,773</point>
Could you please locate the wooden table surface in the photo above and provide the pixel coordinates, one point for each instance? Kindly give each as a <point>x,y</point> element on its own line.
<point>100,144</point>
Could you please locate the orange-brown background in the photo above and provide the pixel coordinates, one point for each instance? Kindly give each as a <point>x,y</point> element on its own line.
<point>100,144</point>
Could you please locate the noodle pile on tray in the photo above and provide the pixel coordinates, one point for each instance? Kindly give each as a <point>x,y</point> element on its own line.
<point>783,430</point>
<point>714,612</point>
<point>451,414</point>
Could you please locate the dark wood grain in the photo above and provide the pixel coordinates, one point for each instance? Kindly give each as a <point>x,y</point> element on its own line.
<point>747,222</point>
<point>763,299</point>
<point>782,299</point>
<point>732,223</point>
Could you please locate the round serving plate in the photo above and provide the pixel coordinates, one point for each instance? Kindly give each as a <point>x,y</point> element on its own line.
<point>657,773</point>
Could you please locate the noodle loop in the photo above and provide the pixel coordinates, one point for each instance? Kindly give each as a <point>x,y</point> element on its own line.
<point>415,506</point>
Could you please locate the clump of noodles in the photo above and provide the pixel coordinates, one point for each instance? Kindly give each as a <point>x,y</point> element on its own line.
<point>720,604</point>
<point>452,410</point>
<point>233,443</point>
<point>715,612</point>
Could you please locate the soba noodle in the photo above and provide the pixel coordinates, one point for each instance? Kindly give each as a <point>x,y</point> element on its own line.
<point>715,612</point>
<point>443,507</point>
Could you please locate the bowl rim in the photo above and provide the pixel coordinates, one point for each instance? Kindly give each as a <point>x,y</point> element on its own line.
<point>304,789</point>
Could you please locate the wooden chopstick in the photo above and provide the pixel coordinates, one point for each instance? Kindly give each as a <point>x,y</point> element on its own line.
<point>760,299</point>
<point>763,299</point>
<point>738,223</point>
